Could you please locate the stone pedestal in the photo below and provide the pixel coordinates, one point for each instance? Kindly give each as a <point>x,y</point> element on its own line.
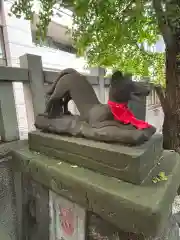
<point>131,164</point>
<point>114,208</point>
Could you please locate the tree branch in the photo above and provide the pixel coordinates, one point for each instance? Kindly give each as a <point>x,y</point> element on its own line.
<point>163,25</point>
<point>123,10</point>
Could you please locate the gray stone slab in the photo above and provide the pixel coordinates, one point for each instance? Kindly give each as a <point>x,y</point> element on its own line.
<point>100,229</point>
<point>35,210</point>
<point>132,164</point>
<point>10,194</point>
<point>8,118</point>
<point>8,220</point>
<point>6,148</point>
<point>141,209</point>
<point>12,74</point>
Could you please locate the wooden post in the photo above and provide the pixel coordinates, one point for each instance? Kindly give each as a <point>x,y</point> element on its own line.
<point>34,90</point>
<point>8,119</point>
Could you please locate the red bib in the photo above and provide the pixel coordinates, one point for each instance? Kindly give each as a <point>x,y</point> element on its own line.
<point>122,113</point>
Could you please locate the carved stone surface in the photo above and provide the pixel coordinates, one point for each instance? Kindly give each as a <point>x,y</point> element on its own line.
<point>143,209</point>
<point>132,164</point>
<point>107,131</point>
<point>96,121</point>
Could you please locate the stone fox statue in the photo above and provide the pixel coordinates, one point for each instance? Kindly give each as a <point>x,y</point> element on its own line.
<point>72,85</point>
<point>103,122</point>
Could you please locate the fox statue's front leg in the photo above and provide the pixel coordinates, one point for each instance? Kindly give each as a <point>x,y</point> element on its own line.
<point>57,107</point>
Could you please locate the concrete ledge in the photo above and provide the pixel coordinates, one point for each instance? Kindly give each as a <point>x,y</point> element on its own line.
<point>6,148</point>
<point>140,209</point>
<point>131,164</point>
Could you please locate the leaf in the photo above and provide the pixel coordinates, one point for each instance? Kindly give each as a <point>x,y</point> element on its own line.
<point>155,180</point>
<point>160,177</point>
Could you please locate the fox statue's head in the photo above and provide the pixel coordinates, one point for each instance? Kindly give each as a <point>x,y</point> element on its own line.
<point>123,89</point>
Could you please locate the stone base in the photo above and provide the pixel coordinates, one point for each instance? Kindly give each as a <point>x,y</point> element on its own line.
<point>131,164</point>
<point>100,229</point>
<point>87,225</point>
<point>143,209</point>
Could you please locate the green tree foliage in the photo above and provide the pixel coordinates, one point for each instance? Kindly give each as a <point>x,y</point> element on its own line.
<point>113,33</point>
<point>110,33</point>
<point>116,33</point>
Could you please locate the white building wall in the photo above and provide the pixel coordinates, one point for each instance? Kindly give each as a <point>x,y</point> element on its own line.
<point>18,41</point>
<point>155,116</point>
<point>154,111</point>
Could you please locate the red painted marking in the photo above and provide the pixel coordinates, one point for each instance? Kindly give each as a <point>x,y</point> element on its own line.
<point>67,221</point>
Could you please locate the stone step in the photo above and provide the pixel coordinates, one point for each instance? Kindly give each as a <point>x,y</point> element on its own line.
<point>131,164</point>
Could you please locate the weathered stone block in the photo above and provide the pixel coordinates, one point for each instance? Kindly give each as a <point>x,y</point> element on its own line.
<point>100,229</point>
<point>6,148</point>
<point>9,227</point>
<point>131,164</point>
<point>141,209</point>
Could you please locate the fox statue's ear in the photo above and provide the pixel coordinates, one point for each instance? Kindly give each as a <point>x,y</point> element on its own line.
<point>116,76</point>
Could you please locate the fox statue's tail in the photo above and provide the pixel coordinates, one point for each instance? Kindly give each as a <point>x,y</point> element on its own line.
<point>63,72</point>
